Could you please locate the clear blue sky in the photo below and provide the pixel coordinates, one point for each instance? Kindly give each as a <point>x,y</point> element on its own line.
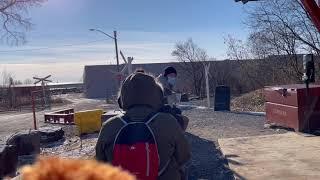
<point>148,30</point>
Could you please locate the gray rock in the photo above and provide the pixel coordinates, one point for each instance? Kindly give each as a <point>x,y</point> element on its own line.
<point>51,134</point>
<point>8,160</point>
<point>27,142</point>
<point>27,160</point>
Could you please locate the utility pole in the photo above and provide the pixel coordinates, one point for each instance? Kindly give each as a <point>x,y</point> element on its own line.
<point>116,44</point>
<point>114,37</point>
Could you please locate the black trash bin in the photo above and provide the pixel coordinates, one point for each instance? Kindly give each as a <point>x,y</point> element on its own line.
<point>222,98</point>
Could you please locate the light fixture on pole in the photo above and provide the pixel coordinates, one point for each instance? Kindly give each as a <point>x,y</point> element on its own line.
<point>114,37</point>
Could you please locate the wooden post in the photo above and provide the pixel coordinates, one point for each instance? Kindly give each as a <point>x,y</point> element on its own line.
<point>43,81</point>
<point>128,63</point>
<point>116,46</point>
<point>34,111</point>
<point>130,59</point>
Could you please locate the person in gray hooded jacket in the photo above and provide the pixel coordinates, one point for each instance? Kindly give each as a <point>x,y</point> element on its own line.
<point>140,96</point>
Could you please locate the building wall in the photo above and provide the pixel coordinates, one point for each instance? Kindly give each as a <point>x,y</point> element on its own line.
<point>100,81</point>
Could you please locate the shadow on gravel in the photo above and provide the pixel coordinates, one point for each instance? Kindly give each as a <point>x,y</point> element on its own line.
<point>263,114</point>
<point>207,161</point>
<point>185,107</point>
<point>53,144</point>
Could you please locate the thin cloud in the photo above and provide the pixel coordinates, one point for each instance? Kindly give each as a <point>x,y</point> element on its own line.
<point>83,53</point>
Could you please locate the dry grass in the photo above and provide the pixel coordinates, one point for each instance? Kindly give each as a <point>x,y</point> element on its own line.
<point>253,101</point>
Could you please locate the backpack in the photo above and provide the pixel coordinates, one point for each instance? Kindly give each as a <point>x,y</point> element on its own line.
<point>135,149</point>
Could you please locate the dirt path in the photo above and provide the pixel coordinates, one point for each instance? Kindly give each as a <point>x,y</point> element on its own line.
<point>206,127</point>
<point>14,122</point>
<point>283,156</point>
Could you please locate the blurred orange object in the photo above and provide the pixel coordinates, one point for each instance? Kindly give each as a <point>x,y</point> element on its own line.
<point>54,168</point>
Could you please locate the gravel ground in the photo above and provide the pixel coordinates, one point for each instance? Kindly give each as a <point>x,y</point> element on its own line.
<point>204,130</point>
<point>214,125</point>
<point>207,161</point>
<point>73,147</point>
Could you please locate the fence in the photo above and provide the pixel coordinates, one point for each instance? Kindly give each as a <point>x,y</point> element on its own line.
<point>12,99</point>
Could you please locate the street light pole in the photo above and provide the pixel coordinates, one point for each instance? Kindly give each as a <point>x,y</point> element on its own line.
<point>114,37</point>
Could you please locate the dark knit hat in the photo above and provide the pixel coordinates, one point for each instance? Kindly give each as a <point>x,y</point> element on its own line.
<point>140,70</point>
<point>140,89</point>
<point>169,70</point>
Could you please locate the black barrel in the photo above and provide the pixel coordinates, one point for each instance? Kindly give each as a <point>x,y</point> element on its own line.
<point>222,98</point>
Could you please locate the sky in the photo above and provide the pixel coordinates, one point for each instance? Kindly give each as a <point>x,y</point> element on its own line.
<point>60,42</point>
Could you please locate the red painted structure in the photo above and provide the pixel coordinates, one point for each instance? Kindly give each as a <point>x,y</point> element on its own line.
<point>294,106</point>
<point>65,116</point>
<point>314,11</point>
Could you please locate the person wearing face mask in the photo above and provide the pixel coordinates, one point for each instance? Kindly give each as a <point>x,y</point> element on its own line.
<point>168,82</point>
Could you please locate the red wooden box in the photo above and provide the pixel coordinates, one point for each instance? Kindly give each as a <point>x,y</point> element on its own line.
<point>65,116</point>
<point>294,106</point>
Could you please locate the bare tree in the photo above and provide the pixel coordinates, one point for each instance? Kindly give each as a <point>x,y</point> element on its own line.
<point>249,66</point>
<point>282,18</point>
<point>27,81</point>
<point>6,78</point>
<point>264,46</point>
<point>261,65</point>
<point>284,28</point>
<point>13,20</point>
<point>7,94</point>
<point>192,58</point>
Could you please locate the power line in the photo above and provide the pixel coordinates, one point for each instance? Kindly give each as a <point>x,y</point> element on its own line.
<point>155,59</point>
<point>44,48</point>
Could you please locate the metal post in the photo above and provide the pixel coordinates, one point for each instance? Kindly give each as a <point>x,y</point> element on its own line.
<point>116,44</point>
<point>206,69</point>
<point>44,94</point>
<point>34,111</point>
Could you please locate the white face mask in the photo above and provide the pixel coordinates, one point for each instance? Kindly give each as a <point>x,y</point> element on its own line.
<point>172,80</point>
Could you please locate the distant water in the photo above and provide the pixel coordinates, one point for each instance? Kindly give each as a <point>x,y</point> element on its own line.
<point>61,72</point>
